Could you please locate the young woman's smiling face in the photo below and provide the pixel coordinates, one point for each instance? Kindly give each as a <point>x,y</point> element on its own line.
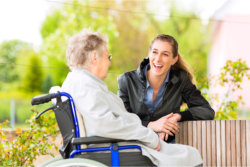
<point>161,58</point>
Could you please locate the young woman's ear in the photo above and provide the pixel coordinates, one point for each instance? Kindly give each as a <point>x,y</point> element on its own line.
<point>175,59</point>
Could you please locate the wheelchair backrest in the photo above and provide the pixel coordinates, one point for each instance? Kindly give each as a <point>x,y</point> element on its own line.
<point>67,125</point>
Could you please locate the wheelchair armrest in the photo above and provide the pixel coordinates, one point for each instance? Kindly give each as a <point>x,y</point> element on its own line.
<point>96,140</point>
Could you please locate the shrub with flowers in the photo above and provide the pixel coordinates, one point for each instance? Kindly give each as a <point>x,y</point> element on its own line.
<point>229,79</point>
<point>30,143</point>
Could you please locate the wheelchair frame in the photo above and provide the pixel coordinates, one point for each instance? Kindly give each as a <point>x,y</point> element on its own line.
<point>77,140</point>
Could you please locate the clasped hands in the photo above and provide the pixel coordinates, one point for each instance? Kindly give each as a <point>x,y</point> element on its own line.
<point>166,125</point>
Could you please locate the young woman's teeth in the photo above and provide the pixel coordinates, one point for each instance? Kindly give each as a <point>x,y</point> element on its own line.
<point>159,66</point>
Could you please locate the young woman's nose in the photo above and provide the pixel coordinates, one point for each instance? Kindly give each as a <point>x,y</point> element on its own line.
<point>158,57</point>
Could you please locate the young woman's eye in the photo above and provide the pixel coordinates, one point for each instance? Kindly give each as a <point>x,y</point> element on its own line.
<point>154,52</point>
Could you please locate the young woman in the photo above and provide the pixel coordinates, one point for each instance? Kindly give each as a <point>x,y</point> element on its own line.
<point>158,88</point>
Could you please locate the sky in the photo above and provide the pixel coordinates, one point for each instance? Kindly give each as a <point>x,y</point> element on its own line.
<point>22,19</point>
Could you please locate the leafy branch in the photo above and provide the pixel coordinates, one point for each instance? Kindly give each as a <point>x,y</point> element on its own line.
<point>29,143</point>
<point>230,78</point>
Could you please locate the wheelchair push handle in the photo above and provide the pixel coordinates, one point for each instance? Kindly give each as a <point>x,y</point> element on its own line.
<point>40,99</point>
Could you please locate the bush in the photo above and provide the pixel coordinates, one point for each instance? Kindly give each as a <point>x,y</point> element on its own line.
<point>30,143</point>
<point>231,77</point>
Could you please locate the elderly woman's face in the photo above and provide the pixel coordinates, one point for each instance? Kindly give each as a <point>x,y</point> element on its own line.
<point>103,64</point>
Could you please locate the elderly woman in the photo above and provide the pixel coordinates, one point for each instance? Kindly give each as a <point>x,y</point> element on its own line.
<point>103,112</point>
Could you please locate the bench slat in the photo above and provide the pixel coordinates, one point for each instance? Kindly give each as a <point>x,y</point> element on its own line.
<point>213,142</point>
<point>223,143</point>
<point>204,141</point>
<point>243,143</point>
<point>209,146</point>
<point>233,143</point>
<point>218,141</point>
<point>238,142</point>
<point>248,141</point>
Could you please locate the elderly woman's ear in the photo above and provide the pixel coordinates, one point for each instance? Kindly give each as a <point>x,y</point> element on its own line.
<point>93,57</point>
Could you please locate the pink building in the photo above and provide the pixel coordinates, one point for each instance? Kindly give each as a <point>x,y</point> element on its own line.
<point>231,41</point>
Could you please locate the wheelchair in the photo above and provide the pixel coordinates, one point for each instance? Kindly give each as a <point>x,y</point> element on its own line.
<point>78,150</point>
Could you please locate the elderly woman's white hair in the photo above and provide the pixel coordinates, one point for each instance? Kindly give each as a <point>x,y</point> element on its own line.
<point>81,45</point>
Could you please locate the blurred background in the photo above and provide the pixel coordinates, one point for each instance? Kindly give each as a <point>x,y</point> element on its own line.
<point>34,34</point>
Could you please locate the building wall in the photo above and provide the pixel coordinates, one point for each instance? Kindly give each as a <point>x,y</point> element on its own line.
<point>231,41</point>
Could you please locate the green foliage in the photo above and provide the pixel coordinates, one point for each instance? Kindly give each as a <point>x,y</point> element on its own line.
<point>29,143</point>
<point>9,50</point>
<point>134,35</point>
<point>231,77</point>
<point>4,110</point>
<point>129,28</point>
<point>34,76</point>
<point>65,22</point>
<point>193,39</point>
<point>21,108</point>
<point>135,32</point>
<point>47,84</point>
<point>51,24</point>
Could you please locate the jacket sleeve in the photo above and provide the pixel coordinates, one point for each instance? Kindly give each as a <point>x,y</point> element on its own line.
<point>106,117</point>
<point>123,92</point>
<point>198,107</point>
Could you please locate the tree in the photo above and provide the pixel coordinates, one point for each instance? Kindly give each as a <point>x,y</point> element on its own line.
<point>9,51</point>
<point>47,84</point>
<point>62,24</point>
<point>33,78</point>
<point>193,39</point>
<point>130,29</point>
<point>137,26</point>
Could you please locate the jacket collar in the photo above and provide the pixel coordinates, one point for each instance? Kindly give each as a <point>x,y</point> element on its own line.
<point>90,76</point>
<point>140,69</point>
<point>173,78</point>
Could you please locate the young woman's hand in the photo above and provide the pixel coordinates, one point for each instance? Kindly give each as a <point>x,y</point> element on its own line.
<point>175,118</point>
<point>163,136</point>
<point>165,125</point>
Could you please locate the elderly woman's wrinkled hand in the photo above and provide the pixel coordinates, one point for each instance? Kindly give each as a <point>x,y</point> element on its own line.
<point>158,146</point>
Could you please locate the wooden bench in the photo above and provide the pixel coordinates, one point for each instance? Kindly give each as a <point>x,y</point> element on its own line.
<point>221,143</point>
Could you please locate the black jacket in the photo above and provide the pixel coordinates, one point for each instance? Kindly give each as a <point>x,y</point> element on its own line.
<point>179,89</point>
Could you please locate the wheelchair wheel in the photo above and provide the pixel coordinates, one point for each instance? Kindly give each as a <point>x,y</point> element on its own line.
<point>51,161</point>
<point>75,162</point>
